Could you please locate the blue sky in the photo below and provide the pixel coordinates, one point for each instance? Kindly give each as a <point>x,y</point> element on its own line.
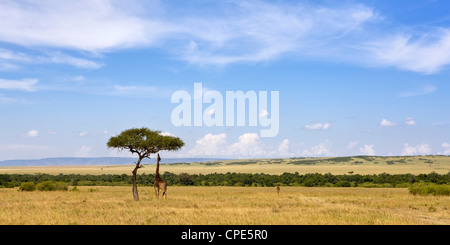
<point>354,77</point>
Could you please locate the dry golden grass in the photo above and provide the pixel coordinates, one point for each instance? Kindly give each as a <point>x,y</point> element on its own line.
<point>224,205</point>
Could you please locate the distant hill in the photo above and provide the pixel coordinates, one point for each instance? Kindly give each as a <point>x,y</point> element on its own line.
<point>65,161</point>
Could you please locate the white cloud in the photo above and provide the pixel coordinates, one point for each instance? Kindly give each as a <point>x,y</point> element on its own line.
<point>318,126</point>
<point>81,134</point>
<point>421,149</point>
<point>242,31</point>
<point>352,144</point>
<point>13,60</point>
<point>60,58</point>
<point>322,149</point>
<point>9,55</point>
<point>386,123</point>
<point>446,147</point>
<point>367,150</point>
<point>166,134</point>
<point>32,133</point>
<point>410,121</point>
<point>426,52</point>
<point>26,84</point>
<point>261,31</point>
<point>247,145</point>
<point>26,151</point>
<point>79,78</point>
<point>210,145</point>
<point>133,90</point>
<point>9,100</point>
<point>6,66</point>
<point>440,124</point>
<point>283,148</point>
<point>83,25</point>
<point>235,32</point>
<point>50,132</point>
<point>84,151</point>
<point>424,89</point>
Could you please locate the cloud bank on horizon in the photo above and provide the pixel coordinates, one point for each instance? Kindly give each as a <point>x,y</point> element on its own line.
<point>72,70</point>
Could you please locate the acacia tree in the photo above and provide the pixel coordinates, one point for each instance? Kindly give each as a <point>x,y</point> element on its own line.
<point>143,142</point>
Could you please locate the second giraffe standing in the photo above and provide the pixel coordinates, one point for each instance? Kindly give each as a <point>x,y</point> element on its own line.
<point>159,183</point>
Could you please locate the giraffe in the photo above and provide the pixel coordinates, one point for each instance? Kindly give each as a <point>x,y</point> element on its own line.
<point>278,188</point>
<point>159,183</point>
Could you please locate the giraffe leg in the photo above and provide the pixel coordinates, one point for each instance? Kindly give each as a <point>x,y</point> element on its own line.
<point>156,192</point>
<point>163,187</point>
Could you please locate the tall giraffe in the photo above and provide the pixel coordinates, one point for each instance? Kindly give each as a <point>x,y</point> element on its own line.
<point>159,183</point>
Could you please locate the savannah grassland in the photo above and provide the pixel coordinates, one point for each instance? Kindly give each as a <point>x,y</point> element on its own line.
<point>201,205</point>
<point>224,205</point>
<point>341,165</point>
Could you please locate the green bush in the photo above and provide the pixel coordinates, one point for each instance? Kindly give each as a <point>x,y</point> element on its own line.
<point>27,186</point>
<point>342,183</point>
<point>429,189</point>
<point>86,183</point>
<point>46,186</point>
<point>368,185</point>
<point>61,186</point>
<point>11,184</point>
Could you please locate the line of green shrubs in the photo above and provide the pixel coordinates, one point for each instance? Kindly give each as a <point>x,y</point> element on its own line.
<point>414,188</point>
<point>232,179</point>
<point>44,186</point>
<point>425,189</point>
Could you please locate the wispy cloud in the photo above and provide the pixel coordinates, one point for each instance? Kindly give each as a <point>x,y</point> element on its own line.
<point>26,84</point>
<point>241,31</point>
<point>51,132</point>
<point>425,52</point>
<point>318,126</point>
<point>82,25</point>
<point>60,58</point>
<point>14,60</point>
<point>422,90</point>
<point>260,31</point>
<point>83,151</point>
<point>235,32</point>
<point>132,90</point>
<point>9,100</point>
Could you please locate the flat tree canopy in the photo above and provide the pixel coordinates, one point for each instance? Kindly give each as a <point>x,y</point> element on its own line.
<point>143,142</point>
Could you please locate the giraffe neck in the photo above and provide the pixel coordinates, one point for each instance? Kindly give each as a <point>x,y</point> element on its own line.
<point>157,166</point>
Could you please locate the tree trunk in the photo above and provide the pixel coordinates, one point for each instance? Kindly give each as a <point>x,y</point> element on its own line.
<point>135,191</point>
